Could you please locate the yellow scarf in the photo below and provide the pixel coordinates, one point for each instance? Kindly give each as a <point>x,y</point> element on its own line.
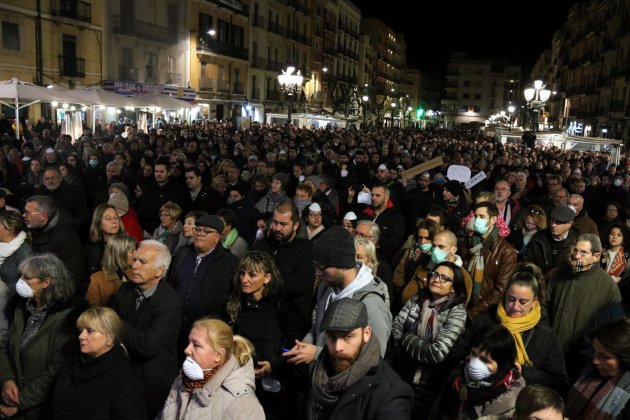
<point>519,325</point>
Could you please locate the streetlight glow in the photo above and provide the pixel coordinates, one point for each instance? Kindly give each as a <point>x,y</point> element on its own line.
<point>290,84</point>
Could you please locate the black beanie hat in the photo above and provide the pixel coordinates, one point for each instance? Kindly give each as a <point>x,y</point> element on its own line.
<point>335,247</point>
<point>454,187</point>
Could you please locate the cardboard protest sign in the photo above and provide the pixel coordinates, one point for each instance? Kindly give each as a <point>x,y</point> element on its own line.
<point>423,167</point>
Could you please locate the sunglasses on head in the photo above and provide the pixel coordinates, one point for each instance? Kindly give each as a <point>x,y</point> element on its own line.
<point>534,212</point>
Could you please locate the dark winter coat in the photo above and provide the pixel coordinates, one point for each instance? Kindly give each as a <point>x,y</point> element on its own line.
<point>381,394</point>
<point>98,388</point>
<point>150,336</point>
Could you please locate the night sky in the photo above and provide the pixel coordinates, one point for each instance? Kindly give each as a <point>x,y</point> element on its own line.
<point>517,31</point>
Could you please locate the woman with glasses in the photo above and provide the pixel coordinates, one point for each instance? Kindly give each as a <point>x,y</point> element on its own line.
<point>534,221</point>
<point>425,331</point>
<point>539,352</point>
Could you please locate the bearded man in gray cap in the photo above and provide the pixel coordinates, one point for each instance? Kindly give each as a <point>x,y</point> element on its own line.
<point>350,380</point>
<point>342,277</point>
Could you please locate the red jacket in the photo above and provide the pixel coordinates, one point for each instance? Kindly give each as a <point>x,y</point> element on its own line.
<point>132,225</point>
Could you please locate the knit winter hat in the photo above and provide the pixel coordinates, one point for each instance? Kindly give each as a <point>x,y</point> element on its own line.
<point>454,187</point>
<point>119,200</point>
<point>334,248</point>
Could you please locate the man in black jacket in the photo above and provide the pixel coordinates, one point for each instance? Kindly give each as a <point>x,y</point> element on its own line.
<point>152,315</point>
<point>52,231</point>
<point>203,274</point>
<point>350,379</point>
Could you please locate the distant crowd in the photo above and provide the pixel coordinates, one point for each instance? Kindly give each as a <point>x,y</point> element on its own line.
<point>204,271</point>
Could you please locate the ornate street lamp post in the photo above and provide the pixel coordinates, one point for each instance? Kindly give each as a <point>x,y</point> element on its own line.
<point>536,96</point>
<point>290,84</point>
<point>511,110</point>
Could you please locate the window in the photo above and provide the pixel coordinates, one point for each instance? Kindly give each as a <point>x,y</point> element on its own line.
<point>477,108</point>
<point>465,96</point>
<point>466,83</point>
<point>205,23</point>
<point>477,96</point>
<point>464,108</point>
<point>223,31</point>
<point>10,36</point>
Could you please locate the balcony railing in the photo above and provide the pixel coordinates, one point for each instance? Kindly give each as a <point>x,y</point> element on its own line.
<point>303,39</point>
<point>238,88</point>
<point>207,44</point>
<point>259,62</point>
<point>274,95</point>
<point>173,78</point>
<point>78,10</point>
<point>71,66</point>
<point>128,73</point>
<point>139,29</point>
<point>223,86</point>
<point>274,65</point>
<point>275,28</point>
<point>258,21</point>
<point>207,85</point>
<point>256,93</point>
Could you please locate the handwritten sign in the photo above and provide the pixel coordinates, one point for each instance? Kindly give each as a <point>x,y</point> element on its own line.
<point>458,173</point>
<point>423,167</point>
<point>475,180</point>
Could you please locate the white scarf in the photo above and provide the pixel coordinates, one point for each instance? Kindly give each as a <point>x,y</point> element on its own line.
<point>8,248</point>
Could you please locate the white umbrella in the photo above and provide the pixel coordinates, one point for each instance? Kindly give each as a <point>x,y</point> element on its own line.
<point>13,92</point>
<point>98,97</point>
<point>162,101</point>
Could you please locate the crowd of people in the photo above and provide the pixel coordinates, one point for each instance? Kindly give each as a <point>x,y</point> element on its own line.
<point>202,271</point>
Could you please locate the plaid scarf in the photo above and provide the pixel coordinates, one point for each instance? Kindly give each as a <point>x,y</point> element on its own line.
<point>428,326</point>
<point>327,390</point>
<point>190,384</point>
<point>476,264</point>
<point>598,398</point>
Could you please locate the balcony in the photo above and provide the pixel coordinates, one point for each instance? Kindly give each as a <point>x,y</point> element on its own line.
<point>274,95</point>
<point>151,75</point>
<point>259,63</point>
<point>207,85</point>
<point>129,74</point>
<point>238,88</point>
<point>71,66</point>
<point>208,45</point>
<point>302,39</point>
<point>276,28</point>
<point>223,86</point>
<point>144,30</point>
<point>274,66</point>
<point>174,79</point>
<point>72,9</point>
<point>258,21</point>
<point>256,93</point>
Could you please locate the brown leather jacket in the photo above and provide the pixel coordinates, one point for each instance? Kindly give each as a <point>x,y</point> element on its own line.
<point>499,262</point>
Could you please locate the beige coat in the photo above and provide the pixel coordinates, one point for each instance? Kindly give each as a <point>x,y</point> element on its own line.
<point>228,396</point>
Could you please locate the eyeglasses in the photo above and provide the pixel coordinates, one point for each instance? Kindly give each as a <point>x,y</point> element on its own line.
<point>441,278</point>
<point>30,213</point>
<point>315,215</point>
<point>204,232</point>
<point>582,252</point>
<point>534,212</point>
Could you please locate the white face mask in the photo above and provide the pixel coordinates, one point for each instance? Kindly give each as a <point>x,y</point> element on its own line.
<point>477,370</point>
<point>618,182</point>
<point>192,369</point>
<point>343,173</point>
<point>23,289</point>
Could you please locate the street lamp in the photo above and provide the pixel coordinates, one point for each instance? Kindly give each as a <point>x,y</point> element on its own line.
<point>290,84</point>
<point>364,105</point>
<point>536,96</point>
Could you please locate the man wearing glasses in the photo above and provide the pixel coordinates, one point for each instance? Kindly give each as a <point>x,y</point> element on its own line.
<point>578,289</point>
<point>202,273</point>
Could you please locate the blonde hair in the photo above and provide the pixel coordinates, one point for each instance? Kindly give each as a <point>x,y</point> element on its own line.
<point>115,255</point>
<point>370,252</point>
<point>173,209</point>
<point>220,336</point>
<point>103,320</point>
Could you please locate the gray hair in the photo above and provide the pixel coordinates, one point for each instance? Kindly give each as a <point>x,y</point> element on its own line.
<point>47,265</point>
<point>375,231</point>
<point>45,204</point>
<point>596,243</point>
<point>163,255</point>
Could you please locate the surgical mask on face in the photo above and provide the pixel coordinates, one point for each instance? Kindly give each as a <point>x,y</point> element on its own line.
<point>617,182</point>
<point>426,247</point>
<point>260,234</point>
<point>192,369</point>
<point>343,173</point>
<point>23,289</point>
<point>477,370</point>
<point>93,163</point>
<point>481,225</point>
<point>231,200</point>
<point>438,255</point>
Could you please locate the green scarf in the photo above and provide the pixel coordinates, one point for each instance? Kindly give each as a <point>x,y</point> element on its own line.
<point>476,265</point>
<point>228,241</point>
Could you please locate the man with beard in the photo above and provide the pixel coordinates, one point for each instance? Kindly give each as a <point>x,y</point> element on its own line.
<point>334,257</point>
<point>293,258</point>
<point>350,380</point>
<point>578,290</point>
